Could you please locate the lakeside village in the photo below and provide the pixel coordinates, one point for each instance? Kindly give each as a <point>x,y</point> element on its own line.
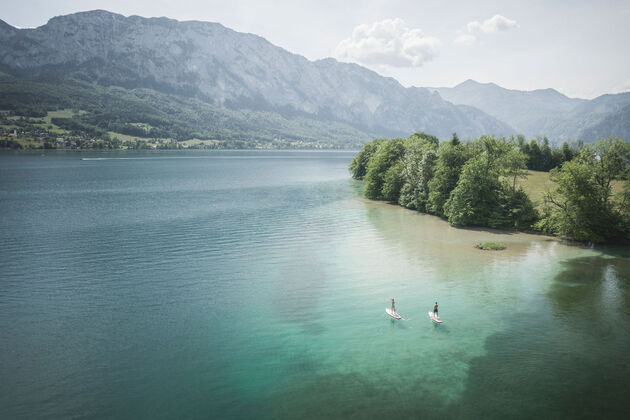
<point>42,132</point>
<point>20,132</point>
<point>61,130</point>
<point>41,138</point>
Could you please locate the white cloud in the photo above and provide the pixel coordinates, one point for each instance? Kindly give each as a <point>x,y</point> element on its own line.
<point>388,42</point>
<point>465,39</point>
<point>496,23</point>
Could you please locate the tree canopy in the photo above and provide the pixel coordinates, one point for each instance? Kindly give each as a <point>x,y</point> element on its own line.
<point>582,206</point>
<point>476,183</point>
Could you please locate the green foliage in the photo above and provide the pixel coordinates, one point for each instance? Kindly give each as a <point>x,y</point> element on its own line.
<point>575,207</point>
<point>519,208</point>
<point>75,125</point>
<point>425,138</point>
<point>465,183</point>
<point>476,197</point>
<point>623,207</point>
<point>476,183</point>
<point>10,144</point>
<point>451,157</point>
<point>415,191</point>
<point>611,158</point>
<point>393,182</point>
<point>115,109</point>
<point>359,164</point>
<point>481,197</point>
<point>582,206</point>
<point>491,245</point>
<point>378,172</point>
<point>567,152</point>
<point>398,170</point>
<point>541,156</point>
<point>418,164</point>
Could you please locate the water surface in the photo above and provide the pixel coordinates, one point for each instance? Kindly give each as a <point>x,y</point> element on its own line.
<point>253,285</point>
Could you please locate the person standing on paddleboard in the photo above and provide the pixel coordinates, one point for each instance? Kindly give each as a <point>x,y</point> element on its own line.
<point>393,306</point>
<point>435,309</point>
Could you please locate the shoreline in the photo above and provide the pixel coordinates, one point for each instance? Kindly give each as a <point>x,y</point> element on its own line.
<point>187,149</point>
<point>497,231</point>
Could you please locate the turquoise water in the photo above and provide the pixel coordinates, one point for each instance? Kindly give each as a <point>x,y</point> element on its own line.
<point>253,285</point>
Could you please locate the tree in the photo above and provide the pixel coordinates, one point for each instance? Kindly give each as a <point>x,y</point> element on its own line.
<point>475,196</point>
<point>481,197</point>
<point>624,209</point>
<point>448,166</point>
<point>397,165</point>
<point>393,182</point>
<point>387,155</point>
<point>535,156</point>
<point>418,163</point>
<point>574,208</point>
<point>428,138</point>
<point>557,158</point>
<point>358,165</point>
<point>611,158</point>
<point>524,147</point>
<point>567,152</point>
<point>514,162</point>
<point>545,156</point>
<point>519,210</point>
<point>581,206</point>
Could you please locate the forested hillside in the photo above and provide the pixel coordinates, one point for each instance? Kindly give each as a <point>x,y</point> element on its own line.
<point>164,116</point>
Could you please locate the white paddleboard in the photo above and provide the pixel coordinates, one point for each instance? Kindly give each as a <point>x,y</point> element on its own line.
<point>392,313</point>
<point>434,317</point>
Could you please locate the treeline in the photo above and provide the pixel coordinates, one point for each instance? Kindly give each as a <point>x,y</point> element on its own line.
<point>475,184</point>
<point>542,157</point>
<point>583,205</point>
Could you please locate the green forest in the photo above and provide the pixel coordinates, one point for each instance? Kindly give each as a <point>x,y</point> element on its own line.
<point>105,115</point>
<point>477,183</point>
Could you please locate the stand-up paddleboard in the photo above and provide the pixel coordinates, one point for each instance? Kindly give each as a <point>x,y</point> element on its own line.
<point>392,313</point>
<point>434,317</point>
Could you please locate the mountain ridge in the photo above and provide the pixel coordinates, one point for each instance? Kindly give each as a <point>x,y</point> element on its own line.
<point>230,69</point>
<point>542,112</point>
<point>242,71</point>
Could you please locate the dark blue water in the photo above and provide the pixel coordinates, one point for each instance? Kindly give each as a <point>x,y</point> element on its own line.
<point>253,285</point>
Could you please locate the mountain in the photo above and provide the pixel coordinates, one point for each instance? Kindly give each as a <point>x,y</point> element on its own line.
<point>617,122</point>
<point>229,70</point>
<point>544,112</point>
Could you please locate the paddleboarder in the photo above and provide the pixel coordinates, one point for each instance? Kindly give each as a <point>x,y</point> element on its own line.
<point>392,311</point>
<point>435,310</point>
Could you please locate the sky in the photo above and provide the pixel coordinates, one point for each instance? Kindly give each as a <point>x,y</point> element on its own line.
<point>579,47</point>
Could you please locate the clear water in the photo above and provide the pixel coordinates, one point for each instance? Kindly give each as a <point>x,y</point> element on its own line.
<point>253,285</point>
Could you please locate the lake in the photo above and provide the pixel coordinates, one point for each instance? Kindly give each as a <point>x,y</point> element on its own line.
<point>253,284</point>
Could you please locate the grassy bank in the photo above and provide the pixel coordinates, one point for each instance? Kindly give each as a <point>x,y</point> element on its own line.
<point>537,183</point>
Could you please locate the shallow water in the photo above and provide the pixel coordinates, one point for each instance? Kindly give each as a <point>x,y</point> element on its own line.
<point>253,285</point>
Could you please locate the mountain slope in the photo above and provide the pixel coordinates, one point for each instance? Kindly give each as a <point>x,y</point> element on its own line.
<point>118,110</point>
<point>617,122</point>
<point>527,111</point>
<point>544,112</point>
<point>228,69</point>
